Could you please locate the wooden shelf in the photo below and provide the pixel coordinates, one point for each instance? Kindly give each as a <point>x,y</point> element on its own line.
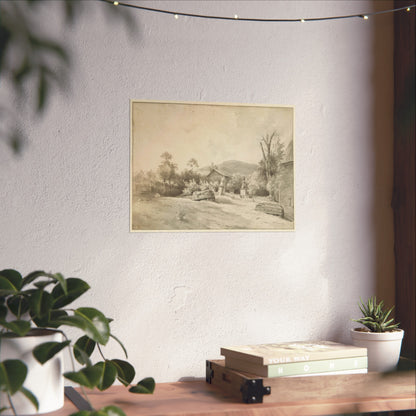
<point>308,396</point>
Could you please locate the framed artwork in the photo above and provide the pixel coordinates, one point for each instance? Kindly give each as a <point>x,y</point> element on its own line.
<point>211,167</point>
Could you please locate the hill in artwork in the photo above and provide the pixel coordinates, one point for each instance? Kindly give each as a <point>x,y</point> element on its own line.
<point>232,167</point>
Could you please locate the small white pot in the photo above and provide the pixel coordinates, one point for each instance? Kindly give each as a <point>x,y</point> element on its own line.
<point>44,381</point>
<point>383,348</point>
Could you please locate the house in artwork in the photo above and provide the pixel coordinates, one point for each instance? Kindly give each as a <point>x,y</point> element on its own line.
<point>218,180</point>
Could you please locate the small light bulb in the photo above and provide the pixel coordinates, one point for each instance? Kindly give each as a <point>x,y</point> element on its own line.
<point>176,16</point>
<point>365,17</point>
<point>115,3</point>
<point>302,20</point>
<point>236,16</point>
<point>408,9</point>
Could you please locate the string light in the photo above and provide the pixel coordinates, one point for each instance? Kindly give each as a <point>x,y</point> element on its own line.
<point>249,19</point>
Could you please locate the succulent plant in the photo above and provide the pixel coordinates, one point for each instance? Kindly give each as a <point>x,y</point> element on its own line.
<point>375,318</point>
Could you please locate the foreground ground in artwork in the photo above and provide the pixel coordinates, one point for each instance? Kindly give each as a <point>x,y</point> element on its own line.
<point>228,212</point>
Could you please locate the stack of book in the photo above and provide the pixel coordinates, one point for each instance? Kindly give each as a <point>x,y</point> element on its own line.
<point>296,359</point>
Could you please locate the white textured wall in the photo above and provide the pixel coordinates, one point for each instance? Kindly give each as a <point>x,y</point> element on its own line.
<point>177,298</point>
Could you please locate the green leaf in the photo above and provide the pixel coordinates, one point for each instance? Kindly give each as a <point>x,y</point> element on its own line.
<point>98,328</point>
<point>125,371</point>
<point>88,376</point>
<point>145,386</point>
<point>20,73</point>
<point>75,321</point>
<point>110,411</point>
<point>43,89</point>
<point>83,349</point>
<point>7,287</point>
<point>54,277</point>
<point>31,277</point>
<point>55,316</point>
<point>18,305</point>
<point>40,304</point>
<point>13,276</point>
<point>3,312</point>
<point>83,413</point>
<point>44,283</point>
<point>108,374</point>
<point>62,281</point>
<point>18,327</point>
<point>105,411</point>
<point>45,351</point>
<point>12,375</point>
<point>75,288</point>
<point>30,396</point>
<point>89,320</point>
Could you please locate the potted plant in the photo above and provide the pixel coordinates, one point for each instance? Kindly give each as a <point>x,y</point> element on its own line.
<point>380,335</point>
<point>34,310</point>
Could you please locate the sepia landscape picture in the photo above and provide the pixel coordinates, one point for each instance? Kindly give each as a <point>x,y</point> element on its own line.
<point>211,167</point>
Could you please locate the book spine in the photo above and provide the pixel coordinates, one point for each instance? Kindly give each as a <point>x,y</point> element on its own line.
<point>309,367</point>
<point>313,367</point>
<point>334,373</point>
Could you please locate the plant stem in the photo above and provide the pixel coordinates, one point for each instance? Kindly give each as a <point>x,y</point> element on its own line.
<point>73,369</point>
<point>11,404</point>
<point>101,353</point>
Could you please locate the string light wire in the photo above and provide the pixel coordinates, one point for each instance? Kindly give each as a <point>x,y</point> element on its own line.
<point>176,14</point>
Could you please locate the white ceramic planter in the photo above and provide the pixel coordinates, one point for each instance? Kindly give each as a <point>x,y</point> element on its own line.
<point>383,348</point>
<point>44,381</point>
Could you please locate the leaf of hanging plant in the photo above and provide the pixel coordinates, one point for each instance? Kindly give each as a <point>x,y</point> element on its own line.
<point>13,276</point>
<point>105,411</point>
<point>108,374</point>
<point>145,386</point>
<point>30,396</point>
<point>22,71</point>
<point>88,376</point>
<point>125,371</point>
<point>40,304</point>
<point>83,349</point>
<point>43,89</point>
<point>7,287</point>
<point>18,305</point>
<point>12,375</point>
<point>31,277</point>
<point>91,321</point>
<point>110,411</point>
<point>75,288</point>
<point>3,312</point>
<point>54,316</point>
<point>75,321</point>
<point>45,351</point>
<point>97,324</point>
<point>19,327</point>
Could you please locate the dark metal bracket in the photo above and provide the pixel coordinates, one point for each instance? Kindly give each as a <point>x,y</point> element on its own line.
<point>209,372</point>
<point>253,391</point>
